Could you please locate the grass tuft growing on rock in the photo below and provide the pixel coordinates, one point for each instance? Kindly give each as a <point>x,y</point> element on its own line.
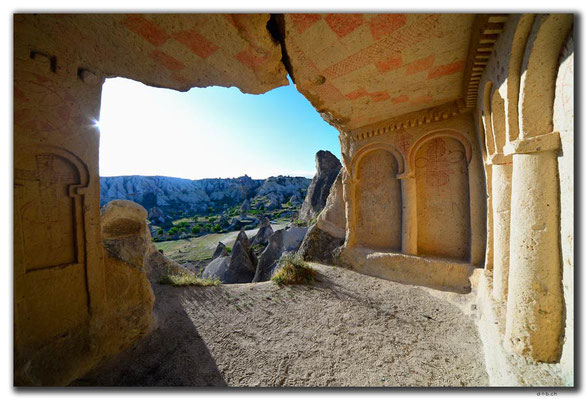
<point>293,271</point>
<point>187,279</point>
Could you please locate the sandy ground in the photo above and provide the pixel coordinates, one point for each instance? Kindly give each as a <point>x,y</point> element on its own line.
<point>345,330</point>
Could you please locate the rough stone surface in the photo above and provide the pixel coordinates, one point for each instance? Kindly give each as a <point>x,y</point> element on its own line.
<point>327,168</point>
<point>319,245</point>
<point>281,242</point>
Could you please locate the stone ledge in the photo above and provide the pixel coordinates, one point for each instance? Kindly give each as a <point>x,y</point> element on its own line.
<point>435,273</point>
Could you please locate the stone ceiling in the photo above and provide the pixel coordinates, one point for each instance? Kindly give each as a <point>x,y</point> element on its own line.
<point>177,51</point>
<point>358,69</point>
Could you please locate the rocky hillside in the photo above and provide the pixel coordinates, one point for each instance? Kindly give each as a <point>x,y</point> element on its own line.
<point>176,196</point>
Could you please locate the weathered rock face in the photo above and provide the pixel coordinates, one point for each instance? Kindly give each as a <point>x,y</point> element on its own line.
<point>281,242</point>
<point>264,233</point>
<point>327,167</point>
<point>329,231</point>
<point>123,231</point>
<point>130,298</point>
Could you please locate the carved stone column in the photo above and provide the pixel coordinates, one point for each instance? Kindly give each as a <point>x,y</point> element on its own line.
<point>409,214</point>
<point>534,319</point>
<point>501,202</point>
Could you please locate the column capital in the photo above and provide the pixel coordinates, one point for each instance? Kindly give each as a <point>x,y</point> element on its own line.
<point>535,144</point>
<point>500,159</point>
<point>406,174</point>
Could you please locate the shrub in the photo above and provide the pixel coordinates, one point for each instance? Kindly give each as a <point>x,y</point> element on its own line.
<point>212,219</point>
<point>228,249</point>
<point>160,231</point>
<point>186,279</point>
<point>293,270</point>
<point>208,227</point>
<point>299,222</point>
<point>216,228</point>
<point>195,229</point>
<point>173,231</point>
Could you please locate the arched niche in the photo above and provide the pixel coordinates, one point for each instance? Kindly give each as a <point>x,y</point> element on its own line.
<point>523,28</point>
<point>378,199</point>
<point>50,184</point>
<point>443,210</point>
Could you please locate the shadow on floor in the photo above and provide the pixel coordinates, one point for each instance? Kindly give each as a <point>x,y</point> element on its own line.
<point>174,354</point>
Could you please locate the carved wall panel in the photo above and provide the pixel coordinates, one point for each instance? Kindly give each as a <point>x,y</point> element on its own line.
<point>443,198</point>
<point>49,241</point>
<point>379,202</point>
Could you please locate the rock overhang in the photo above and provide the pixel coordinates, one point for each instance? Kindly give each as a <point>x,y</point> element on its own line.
<point>355,69</point>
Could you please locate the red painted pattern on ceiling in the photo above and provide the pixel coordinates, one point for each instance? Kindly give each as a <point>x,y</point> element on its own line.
<point>327,91</point>
<point>375,96</point>
<point>389,64</point>
<point>420,65</point>
<point>304,21</point>
<point>385,24</point>
<point>343,24</point>
<point>252,58</point>
<point>400,99</point>
<point>146,29</point>
<point>446,69</point>
<point>421,100</point>
<point>390,46</point>
<point>356,94</point>
<point>197,43</point>
<point>166,60</point>
<point>379,96</point>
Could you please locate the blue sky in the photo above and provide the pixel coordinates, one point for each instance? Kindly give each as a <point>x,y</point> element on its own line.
<point>209,132</point>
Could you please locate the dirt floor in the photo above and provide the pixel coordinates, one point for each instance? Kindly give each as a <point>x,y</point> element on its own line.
<point>346,330</point>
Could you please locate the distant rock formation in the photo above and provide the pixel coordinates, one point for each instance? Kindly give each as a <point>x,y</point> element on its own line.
<point>157,216</point>
<point>264,233</point>
<point>239,267</point>
<point>173,196</point>
<point>281,242</point>
<point>327,168</point>
<point>220,251</point>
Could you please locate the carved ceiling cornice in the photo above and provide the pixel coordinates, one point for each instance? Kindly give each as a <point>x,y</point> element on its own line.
<point>486,31</point>
<point>410,120</point>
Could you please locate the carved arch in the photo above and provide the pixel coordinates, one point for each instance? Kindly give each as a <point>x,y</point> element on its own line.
<point>356,160</point>
<point>539,70</point>
<point>519,41</point>
<point>438,134</point>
